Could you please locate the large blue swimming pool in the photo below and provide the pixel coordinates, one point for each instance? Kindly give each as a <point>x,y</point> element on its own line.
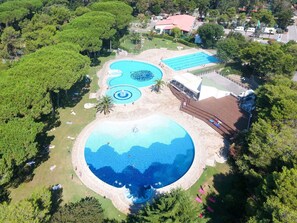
<point>136,73</point>
<point>140,155</point>
<point>189,61</point>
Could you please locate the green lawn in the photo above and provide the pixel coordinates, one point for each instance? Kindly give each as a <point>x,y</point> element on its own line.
<point>60,156</point>
<point>207,69</point>
<point>207,177</point>
<point>217,183</point>
<point>155,43</point>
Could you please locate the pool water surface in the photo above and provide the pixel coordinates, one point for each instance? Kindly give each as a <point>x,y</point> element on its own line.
<point>140,155</point>
<point>135,73</point>
<point>124,94</point>
<point>189,61</point>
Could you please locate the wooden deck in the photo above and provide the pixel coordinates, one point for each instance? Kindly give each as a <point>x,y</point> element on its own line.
<point>225,109</point>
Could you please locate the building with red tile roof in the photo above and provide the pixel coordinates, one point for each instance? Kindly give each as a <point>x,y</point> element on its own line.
<point>184,22</point>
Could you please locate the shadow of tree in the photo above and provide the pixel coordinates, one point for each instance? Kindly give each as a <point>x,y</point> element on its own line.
<point>225,201</point>
<point>56,199</point>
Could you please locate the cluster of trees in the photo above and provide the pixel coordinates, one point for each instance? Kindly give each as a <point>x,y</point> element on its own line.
<point>267,155</point>
<point>29,25</point>
<point>45,49</point>
<point>183,6</point>
<point>36,208</point>
<point>210,34</point>
<point>266,61</point>
<point>41,206</point>
<point>30,92</point>
<point>226,12</point>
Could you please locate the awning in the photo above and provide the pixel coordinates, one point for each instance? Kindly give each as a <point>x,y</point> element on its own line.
<point>189,80</point>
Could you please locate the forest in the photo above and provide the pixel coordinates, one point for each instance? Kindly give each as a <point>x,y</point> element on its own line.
<point>47,48</point>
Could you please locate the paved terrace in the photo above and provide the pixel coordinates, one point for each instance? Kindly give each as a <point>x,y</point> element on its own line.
<point>206,140</point>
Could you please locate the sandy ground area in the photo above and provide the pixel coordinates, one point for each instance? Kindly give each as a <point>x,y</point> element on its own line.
<point>207,142</point>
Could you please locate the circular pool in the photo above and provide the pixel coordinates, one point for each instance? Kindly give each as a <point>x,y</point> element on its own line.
<point>140,155</point>
<point>123,94</point>
<point>135,73</point>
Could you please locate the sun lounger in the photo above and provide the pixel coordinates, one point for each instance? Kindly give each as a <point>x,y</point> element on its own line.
<point>201,191</point>
<point>210,209</point>
<point>211,199</point>
<point>198,199</point>
<point>217,125</point>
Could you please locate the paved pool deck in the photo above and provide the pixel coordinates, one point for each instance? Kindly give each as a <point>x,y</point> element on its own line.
<point>206,140</point>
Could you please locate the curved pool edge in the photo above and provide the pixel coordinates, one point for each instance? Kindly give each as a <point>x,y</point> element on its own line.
<point>125,101</point>
<point>109,78</point>
<point>117,195</point>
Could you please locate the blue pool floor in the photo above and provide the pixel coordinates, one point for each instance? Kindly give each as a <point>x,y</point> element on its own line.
<point>190,61</point>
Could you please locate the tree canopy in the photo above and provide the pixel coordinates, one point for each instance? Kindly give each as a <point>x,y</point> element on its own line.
<point>277,198</point>
<point>26,95</point>
<point>268,60</point>
<point>210,34</point>
<point>86,210</point>
<point>120,10</point>
<point>89,30</point>
<point>35,209</point>
<point>175,206</point>
<point>16,10</point>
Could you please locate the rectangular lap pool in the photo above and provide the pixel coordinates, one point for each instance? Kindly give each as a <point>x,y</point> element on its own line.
<point>189,61</point>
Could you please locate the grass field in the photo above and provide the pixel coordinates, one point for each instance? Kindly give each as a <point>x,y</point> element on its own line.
<point>155,43</point>
<point>217,183</point>
<point>64,174</point>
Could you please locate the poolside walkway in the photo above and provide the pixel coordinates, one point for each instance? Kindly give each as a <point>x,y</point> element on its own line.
<point>206,140</point>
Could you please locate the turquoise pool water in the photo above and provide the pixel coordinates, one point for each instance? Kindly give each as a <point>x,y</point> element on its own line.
<point>189,61</point>
<point>123,94</point>
<point>135,73</point>
<point>140,155</point>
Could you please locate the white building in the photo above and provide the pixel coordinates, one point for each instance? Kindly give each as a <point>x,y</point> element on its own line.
<point>192,86</point>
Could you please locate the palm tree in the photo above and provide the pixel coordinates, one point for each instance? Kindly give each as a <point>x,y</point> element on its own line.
<point>105,104</point>
<point>159,83</point>
<point>135,37</point>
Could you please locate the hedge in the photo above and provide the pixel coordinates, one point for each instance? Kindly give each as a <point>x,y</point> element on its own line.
<point>178,40</point>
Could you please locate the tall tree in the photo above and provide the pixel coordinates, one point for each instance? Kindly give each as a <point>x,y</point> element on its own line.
<point>16,10</point>
<point>269,149</point>
<point>105,105</point>
<point>120,10</point>
<point>38,32</point>
<point>55,68</point>
<point>277,198</point>
<point>175,206</point>
<point>265,16</point>
<point>268,60</point>
<point>159,83</point>
<point>86,210</point>
<point>33,209</point>
<point>27,91</point>
<point>11,43</point>
<point>203,6</point>
<point>210,34</point>
<point>17,145</point>
<point>228,49</point>
<point>277,101</point>
<point>89,30</point>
